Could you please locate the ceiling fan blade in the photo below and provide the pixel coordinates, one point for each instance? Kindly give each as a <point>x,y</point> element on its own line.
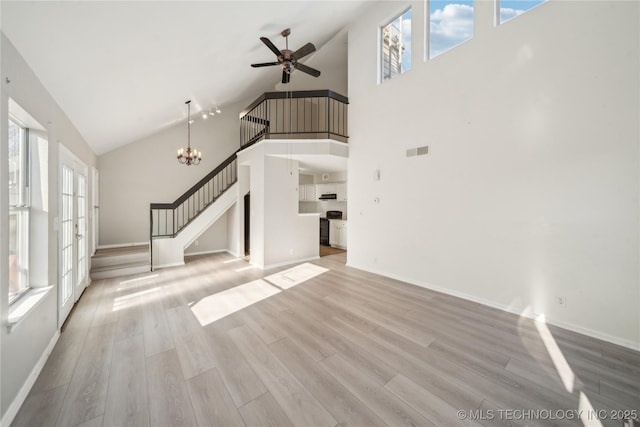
<point>286,77</point>
<point>271,46</point>
<point>304,51</point>
<point>264,64</point>
<point>308,70</point>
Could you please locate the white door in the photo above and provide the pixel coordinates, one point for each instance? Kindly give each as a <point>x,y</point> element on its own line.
<point>95,197</point>
<point>72,214</point>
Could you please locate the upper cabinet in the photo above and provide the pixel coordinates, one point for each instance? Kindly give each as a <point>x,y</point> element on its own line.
<point>328,188</point>
<point>312,192</point>
<point>307,193</point>
<point>341,191</point>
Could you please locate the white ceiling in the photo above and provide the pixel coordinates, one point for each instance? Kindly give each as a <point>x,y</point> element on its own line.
<point>122,70</point>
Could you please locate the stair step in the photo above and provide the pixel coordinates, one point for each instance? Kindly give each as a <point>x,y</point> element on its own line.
<point>113,257</point>
<point>120,261</point>
<point>121,250</point>
<point>123,269</point>
<point>117,266</point>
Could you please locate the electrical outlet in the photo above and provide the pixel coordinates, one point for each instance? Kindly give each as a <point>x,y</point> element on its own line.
<point>562,301</point>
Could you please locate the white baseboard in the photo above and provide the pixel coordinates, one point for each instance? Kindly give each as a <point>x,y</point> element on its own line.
<point>217,251</point>
<point>235,254</point>
<point>13,409</point>
<point>530,315</point>
<point>281,264</point>
<point>122,245</point>
<point>175,264</point>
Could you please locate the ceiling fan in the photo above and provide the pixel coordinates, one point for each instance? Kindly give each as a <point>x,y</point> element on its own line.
<point>288,59</point>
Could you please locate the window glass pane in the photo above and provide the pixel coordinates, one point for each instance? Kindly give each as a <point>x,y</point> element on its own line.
<point>17,160</point>
<point>450,23</point>
<point>82,228</point>
<point>66,236</point>
<point>511,8</point>
<point>18,211</point>
<point>396,46</point>
<point>18,252</point>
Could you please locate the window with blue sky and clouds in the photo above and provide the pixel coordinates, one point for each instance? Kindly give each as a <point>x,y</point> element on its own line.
<point>450,23</point>
<point>509,9</point>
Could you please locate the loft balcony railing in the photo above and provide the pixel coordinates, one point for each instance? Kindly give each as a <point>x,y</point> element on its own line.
<point>309,114</point>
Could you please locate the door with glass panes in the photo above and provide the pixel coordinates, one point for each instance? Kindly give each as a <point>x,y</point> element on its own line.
<point>72,232</point>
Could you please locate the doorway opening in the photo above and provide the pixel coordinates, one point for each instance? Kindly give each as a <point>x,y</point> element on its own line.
<point>247,225</point>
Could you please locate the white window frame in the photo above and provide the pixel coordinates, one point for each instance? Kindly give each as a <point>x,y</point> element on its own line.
<point>497,9</point>
<point>428,52</point>
<point>381,62</point>
<point>21,210</point>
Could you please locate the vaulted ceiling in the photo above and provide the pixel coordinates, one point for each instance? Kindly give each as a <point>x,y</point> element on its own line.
<point>121,70</point>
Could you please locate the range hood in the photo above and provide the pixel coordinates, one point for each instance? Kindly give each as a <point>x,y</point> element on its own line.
<point>328,196</point>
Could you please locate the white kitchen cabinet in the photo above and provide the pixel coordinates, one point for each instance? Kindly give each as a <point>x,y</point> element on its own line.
<point>341,191</point>
<point>338,233</point>
<point>307,193</point>
<point>310,193</point>
<point>325,189</point>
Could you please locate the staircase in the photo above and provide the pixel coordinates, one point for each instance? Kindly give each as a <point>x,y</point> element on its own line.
<point>120,261</point>
<point>174,226</point>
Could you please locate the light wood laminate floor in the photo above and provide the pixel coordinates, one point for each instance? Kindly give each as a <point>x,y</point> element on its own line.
<point>343,348</point>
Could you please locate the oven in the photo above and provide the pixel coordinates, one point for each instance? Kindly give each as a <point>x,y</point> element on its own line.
<point>324,231</point>
<point>324,226</point>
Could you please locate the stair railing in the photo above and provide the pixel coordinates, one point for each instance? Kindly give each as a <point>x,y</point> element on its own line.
<point>168,219</point>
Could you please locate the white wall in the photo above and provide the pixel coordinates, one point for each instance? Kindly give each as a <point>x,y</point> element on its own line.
<point>214,239</point>
<point>288,236</point>
<point>234,236</point>
<point>530,189</point>
<point>147,171</point>
<point>22,349</point>
<point>279,234</point>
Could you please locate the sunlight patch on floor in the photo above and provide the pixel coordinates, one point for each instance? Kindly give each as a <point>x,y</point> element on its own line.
<point>588,415</point>
<point>562,366</point>
<point>222,304</point>
<point>136,298</point>
<point>126,284</point>
<point>296,275</point>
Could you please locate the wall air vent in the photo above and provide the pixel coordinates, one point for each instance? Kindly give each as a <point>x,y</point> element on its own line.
<point>418,151</point>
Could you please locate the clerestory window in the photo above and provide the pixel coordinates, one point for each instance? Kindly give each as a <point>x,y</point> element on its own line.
<point>396,46</point>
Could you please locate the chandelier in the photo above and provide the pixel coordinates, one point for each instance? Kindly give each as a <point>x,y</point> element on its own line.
<point>189,156</point>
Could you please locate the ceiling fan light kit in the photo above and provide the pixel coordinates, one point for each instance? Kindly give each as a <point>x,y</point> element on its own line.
<point>288,59</point>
